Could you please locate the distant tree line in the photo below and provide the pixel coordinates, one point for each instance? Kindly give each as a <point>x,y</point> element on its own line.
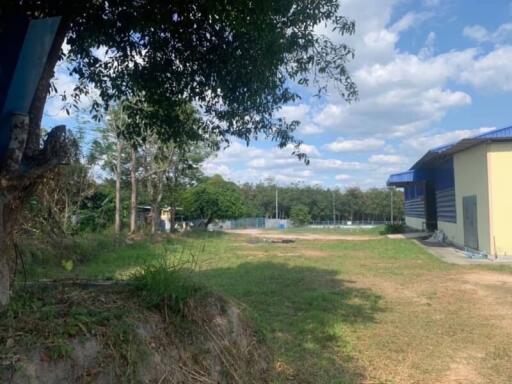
<point>322,204</point>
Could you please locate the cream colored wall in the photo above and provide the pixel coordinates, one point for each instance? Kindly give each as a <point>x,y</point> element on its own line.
<point>415,223</point>
<point>450,230</point>
<point>470,169</point>
<point>499,157</point>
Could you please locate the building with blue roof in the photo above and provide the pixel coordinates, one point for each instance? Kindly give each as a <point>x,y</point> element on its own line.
<point>465,190</point>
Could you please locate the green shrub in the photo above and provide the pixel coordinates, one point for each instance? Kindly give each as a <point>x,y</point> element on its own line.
<point>299,215</point>
<point>57,251</point>
<point>394,228</point>
<point>167,284</point>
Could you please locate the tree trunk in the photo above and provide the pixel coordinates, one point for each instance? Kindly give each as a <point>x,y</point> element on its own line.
<point>17,182</point>
<point>155,218</point>
<point>172,218</point>
<point>208,222</point>
<point>66,212</point>
<point>118,186</point>
<point>5,256</point>
<point>133,200</point>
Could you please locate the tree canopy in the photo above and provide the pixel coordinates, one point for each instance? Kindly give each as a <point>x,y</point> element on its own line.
<point>350,204</point>
<point>214,199</point>
<point>299,215</point>
<point>235,59</point>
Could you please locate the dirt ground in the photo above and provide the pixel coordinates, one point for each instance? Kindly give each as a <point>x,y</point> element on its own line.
<point>469,314</point>
<point>259,233</point>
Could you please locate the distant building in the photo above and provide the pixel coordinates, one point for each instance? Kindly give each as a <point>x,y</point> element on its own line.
<point>465,190</point>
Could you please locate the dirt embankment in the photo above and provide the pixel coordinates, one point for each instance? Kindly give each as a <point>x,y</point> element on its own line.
<point>83,335</point>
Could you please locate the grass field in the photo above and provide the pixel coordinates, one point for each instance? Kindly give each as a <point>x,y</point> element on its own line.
<point>373,311</point>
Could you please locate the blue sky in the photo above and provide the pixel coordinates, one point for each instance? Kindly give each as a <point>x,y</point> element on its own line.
<point>429,72</point>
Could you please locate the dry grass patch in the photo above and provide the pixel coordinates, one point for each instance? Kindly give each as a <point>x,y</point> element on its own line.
<point>435,330</point>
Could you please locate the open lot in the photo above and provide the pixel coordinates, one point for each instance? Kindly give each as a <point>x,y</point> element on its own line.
<point>335,311</point>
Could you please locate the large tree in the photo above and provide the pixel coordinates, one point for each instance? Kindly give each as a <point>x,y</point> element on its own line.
<point>110,152</point>
<point>237,60</point>
<point>214,199</point>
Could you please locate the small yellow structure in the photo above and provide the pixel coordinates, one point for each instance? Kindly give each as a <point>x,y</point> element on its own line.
<point>465,190</point>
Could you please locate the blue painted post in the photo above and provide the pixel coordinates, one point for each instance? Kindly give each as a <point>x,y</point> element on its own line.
<point>24,48</point>
<point>25,45</point>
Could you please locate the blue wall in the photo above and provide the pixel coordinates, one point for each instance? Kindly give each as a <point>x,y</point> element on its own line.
<point>414,196</point>
<point>441,207</point>
<point>444,179</point>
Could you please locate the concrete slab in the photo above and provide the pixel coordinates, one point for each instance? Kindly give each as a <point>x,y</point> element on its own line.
<point>411,235</point>
<point>454,255</point>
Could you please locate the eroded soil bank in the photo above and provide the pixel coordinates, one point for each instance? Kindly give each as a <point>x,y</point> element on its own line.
<point>68,333</point>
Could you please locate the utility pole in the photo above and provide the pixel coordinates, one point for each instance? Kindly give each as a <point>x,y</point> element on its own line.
<point>333,208</point>
<point>277,204</point>
<point>391,189</point>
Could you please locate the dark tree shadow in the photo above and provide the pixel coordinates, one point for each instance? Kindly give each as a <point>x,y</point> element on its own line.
<point>304,313</point>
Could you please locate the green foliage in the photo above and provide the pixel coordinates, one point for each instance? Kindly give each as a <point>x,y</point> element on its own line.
<point>67,265</point>
<point>351,204</point>
<point>214,199</point>
<point>394,228</point>
<point>64,254</point>
<point>299,214</point>
<point>51,316</point>
<point>97,211</point>
<point>167,284</point>
<point>236,59</point>
<point>56,199</point>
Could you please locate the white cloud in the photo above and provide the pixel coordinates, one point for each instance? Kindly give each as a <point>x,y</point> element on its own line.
<point>330,115</point>
<point>343,177</point>
<point>211,168</point>
<point>428,48</point>
<point>477,33</point>
<point>402,95</point>
<point>492,71</point>
<point>234,154</point>
<point>408,20</point>
<point>294,112</point>
<point>481,35</point>
<point>65,84</point>
<point>308,149</point>
<point>386,159</point>
<point>341,145</point>
<point>310,129</point>
<point>424,143</point>
<point>271,162</point>
<point>392,81</point>
<point>335,164</point>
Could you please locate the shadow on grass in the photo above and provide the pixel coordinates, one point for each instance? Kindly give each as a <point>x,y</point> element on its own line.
<point>305,314</point>
<point>203,234</point>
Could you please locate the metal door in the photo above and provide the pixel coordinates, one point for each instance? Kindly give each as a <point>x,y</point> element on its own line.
<point>469,209</point>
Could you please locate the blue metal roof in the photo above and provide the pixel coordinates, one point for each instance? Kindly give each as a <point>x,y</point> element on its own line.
<point>503,134</point>
<point>401,178</point>
<point>450,149</point>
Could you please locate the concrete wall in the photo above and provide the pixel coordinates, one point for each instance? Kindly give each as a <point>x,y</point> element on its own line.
<point>415,223</point>
<point>499,157</point>
<point>451,231</point>
<point>470,168</point>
